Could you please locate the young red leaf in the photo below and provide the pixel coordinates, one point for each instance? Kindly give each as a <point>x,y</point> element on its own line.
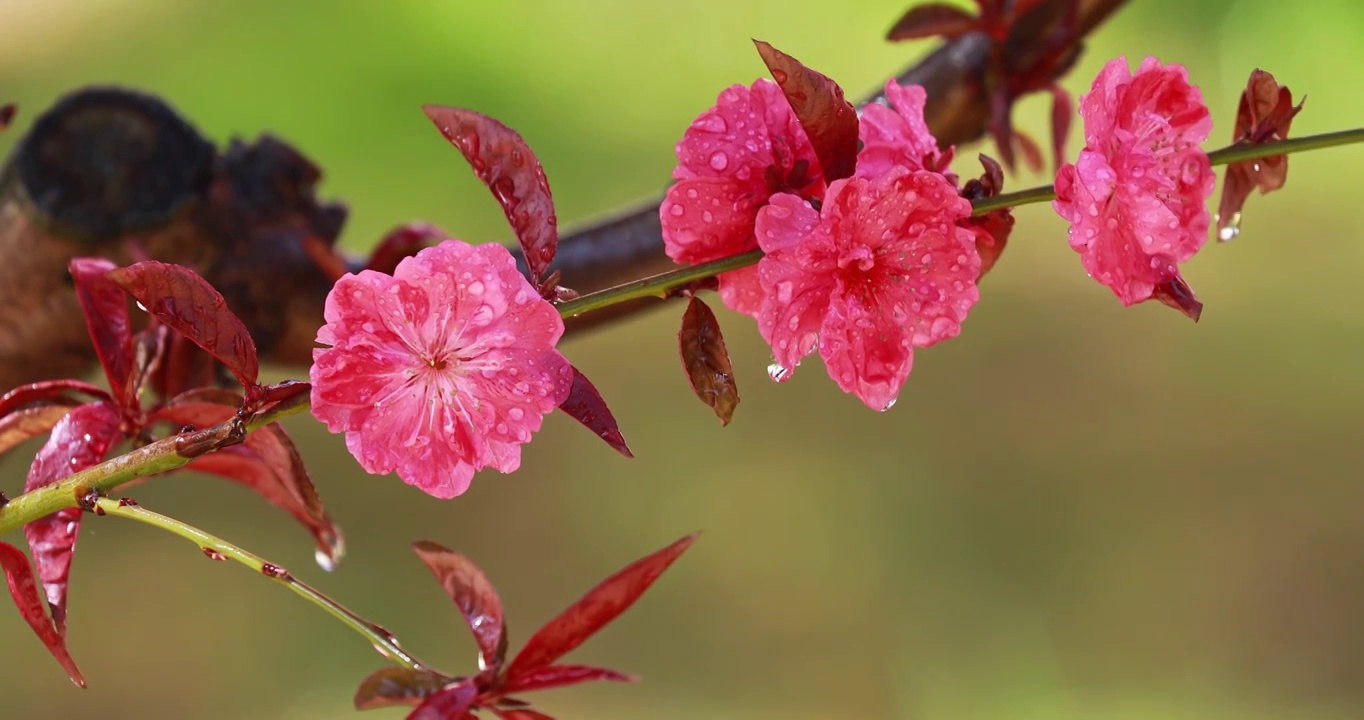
<point>1062,111</point>
<point>449,704</point>
<point>24,590</point>
<point>586,405</point>
<point>473,594</point>
<point>599,606</point>
<point>267,462</point>
<point>829,120</point>
<point>78,441</point>
<point>105,307</point>
<point>29,422</point>
<point>1032,152</point>
<point>1265,115</point>
<point>706,360</point>
<point>403,242</point>
<point>505,163</point>
<point>398,686</point>
<point>182,300</point>
<point>45,392</point>
<point>932,20</point>
<point>552,676</point>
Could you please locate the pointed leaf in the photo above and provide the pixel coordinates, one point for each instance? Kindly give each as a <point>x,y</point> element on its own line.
<point>1032,152</point>
<point>473,594</point>
<point>24,590</point>
<point>29,422</point>
<point>586,405</point>
<point>105,307</point>
<point>1265,115</point>
<point>267,462</point>
<point>1177,294</point>
<point>78,441</point>
<point>520,714</point>
<point>450,703</point>
<point>505,163</point>
<point>599,606</point>
<point>398,686</point>
<point>182,300</point>
<point>45,392</point>
<point>552,676</point>
<point>706,360</point>
<point>1062,111</point>
<point>829,120</point>
<point>932,20</point>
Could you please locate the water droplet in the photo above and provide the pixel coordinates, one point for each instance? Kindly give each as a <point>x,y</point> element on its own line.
<point>778,373</point>
<point>889,404</point>
<point>711,122</point>
<point>476,288</point>
<point>1232,229</point>
<point>516,413</point>
<point>719,161</point>
<point>706,216</point>
<point>676,210</point>
<point>691,193</point>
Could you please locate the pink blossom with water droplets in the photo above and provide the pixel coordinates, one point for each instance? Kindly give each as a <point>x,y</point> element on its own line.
<point>441,369</point>
<point>730,161</point>
<point>1136,198</point>
<point>898,137</point>
<point>881,269</point>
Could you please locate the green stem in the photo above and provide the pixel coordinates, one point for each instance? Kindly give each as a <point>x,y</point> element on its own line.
<point>149,459</point>
<point>664,283</point>
<point>218,549</point>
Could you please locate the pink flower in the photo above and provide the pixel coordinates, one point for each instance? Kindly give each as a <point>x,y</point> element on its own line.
<point>881,269</point>
<point>730,161</point>
<point>1136,198</point>
<point>898,138</point>
<point>441,369</point>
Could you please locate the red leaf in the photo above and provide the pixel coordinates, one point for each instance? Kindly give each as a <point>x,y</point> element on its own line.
<point>187,303</point>
<point>830,121</point>
<point>473,594</point>
<point>599,606</point>
<point>932,20</point>
<point>7,113</point>
<point>30,422</point>
<point>267,462</point>
<point>398,686</point>
<point>505,163</point>
<point>403,242</point>
<point>520,714</point>
<point>552,676</point>
<point>1177,294</point>
<point>1032,153</point>
<point>706,360</point>
<point>449,704</point>
<point>586,405</point>
<point>1265,115</point>
<point>105,307</point>
<point>1062,111</point>
<point>24,590</point>
<point>78,441</point>
<point>44,392</point>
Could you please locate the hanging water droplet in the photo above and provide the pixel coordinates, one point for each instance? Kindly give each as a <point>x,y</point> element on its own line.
<point>1232,228</point>
<point>778,373</point>
<point>889,404</point>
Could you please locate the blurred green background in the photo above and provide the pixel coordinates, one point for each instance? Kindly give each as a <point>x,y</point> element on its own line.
<point>1076,510</point>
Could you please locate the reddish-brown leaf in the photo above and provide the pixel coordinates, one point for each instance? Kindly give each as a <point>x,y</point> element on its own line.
<point>181,299</point>
<point>1032,152</point>
<point>599,606</point>
<point>45,392</point>
<point>398,686</point>
<point>586,405</point>
<point>829,120</point>
<point>78,441</point>
<point>1062,111</point>
<point>105,307</point>
<point>473,594</point>
<point>29,422</point>
<point>267,462</point>
<point>7,113</point>
<point>24,590</point>
<point>1265,115</point>
<point>932,20</point>
<point>520,714</point>
<point>449,704</point>
<point>552,676</point>
<point>505,163</point>
<point>1177,294</point>
<point>706,360</point>
<point>403,242</point>
<point>993,228</point>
